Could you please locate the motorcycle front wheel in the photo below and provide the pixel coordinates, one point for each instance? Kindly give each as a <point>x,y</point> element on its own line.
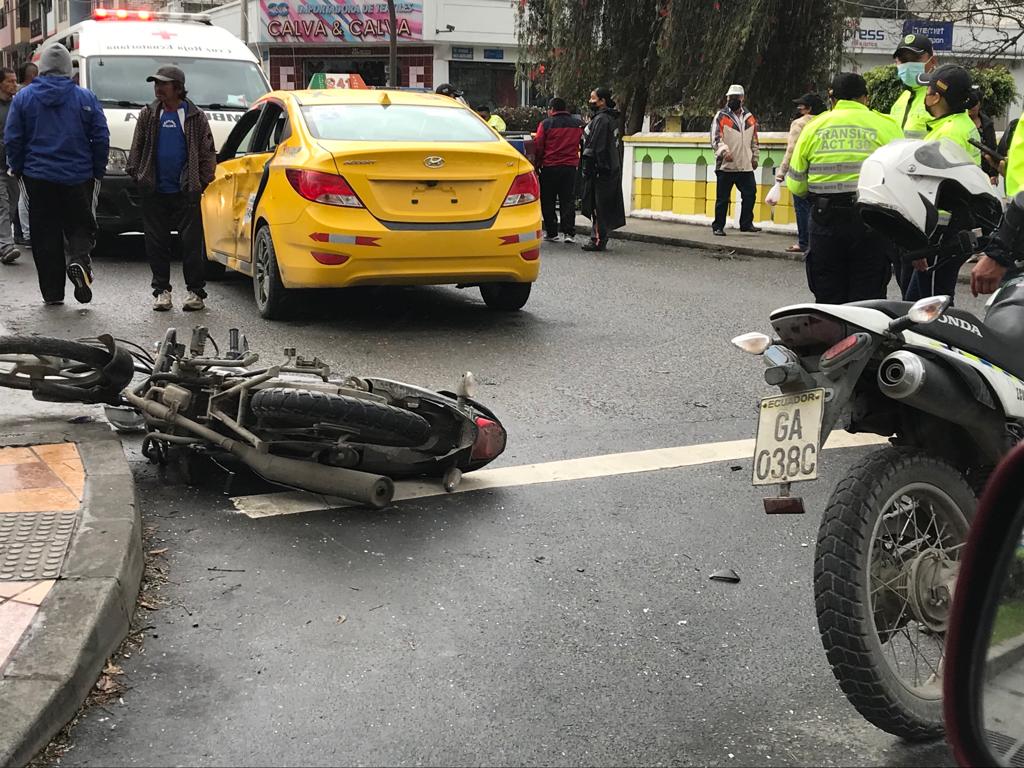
<point>886,563</point>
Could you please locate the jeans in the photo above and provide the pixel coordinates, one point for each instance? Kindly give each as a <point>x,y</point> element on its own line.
<point>558,187</point>
<point>162,213</point>
<point>63,230</point>
<point>803,214</point>
<point>23,214</point>
<point>8,198</point>
<point>745,183</point>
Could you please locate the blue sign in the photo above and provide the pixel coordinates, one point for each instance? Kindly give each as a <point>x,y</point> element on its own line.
<point>939,32</point>
<point>460,52</point>
<point>494,53</point>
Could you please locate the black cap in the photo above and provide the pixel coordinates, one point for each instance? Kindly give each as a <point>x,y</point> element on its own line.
<point>447,89</point>
<point>812,100</point>
<point>952,82</point>
<point>848,85</point>
<point>915,44</point>
<point>167,74</point>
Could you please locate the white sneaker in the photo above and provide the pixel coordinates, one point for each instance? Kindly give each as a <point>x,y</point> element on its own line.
<point>569,239</point>
<point>162,302</point>
<point>551,238</point>
<point>193,303</point>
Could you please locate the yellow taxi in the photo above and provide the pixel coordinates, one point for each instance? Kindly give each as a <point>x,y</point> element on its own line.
<point>333,188</point>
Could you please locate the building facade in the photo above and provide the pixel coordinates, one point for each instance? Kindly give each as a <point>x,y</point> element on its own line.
<point>470,43</point>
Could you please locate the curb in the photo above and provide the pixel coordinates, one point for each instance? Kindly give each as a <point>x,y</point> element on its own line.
<point>88,612</point>
<point>726,250</point>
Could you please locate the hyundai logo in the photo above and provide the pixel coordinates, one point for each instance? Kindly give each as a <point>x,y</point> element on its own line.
<point>434,161</point>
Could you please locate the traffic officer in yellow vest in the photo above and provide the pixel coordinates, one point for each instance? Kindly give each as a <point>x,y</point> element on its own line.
<point>1015,163</point>
<point>845,260</point>
<point>947,98</point>
<point>914,57</point>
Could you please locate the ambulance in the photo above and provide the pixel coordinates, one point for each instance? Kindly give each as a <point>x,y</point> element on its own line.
<point>117,49</point>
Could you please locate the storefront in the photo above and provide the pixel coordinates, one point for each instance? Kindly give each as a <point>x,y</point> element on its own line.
<point>485,75</point>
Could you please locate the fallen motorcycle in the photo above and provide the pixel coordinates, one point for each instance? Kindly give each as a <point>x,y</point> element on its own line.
<point>295,423</point>
<point>945,387</point>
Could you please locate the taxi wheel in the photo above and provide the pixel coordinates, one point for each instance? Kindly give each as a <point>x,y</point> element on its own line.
<point>505,297</point>
<point>271,295</point>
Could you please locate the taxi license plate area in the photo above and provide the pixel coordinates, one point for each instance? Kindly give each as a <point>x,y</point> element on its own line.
<point>788,438</point>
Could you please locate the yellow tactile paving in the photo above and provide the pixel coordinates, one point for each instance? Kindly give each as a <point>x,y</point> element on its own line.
<point>60,499</point>
<point>35,595</point>
<point>12,588</point>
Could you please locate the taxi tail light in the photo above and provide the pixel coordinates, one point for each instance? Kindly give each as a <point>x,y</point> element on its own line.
<point>525,189</point>
<point>326,188</point>
<point>531,255</point>
<point>490,440</point>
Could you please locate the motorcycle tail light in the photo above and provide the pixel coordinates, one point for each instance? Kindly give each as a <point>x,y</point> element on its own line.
<point>838,349</point>
<point>490,440</point>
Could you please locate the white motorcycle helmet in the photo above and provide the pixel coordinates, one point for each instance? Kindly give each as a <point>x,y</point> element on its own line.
<point>905,184</point>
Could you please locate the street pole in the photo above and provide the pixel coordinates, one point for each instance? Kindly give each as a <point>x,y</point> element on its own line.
<point>394,81</point>
<point>244,7</point>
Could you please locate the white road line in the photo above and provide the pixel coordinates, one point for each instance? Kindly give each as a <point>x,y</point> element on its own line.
<point>295,502</point>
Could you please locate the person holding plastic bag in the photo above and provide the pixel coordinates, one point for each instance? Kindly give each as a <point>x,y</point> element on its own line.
<point>807,106</point>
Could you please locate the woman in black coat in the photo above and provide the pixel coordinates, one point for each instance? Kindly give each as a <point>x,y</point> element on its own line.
<point>602,171</point>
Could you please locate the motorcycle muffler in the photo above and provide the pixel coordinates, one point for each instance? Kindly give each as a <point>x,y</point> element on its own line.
<point>363,487</point>
<point>934,389</point>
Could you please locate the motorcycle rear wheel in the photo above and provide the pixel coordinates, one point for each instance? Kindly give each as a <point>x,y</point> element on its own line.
<point>886,560</point>
<point>372,422</point>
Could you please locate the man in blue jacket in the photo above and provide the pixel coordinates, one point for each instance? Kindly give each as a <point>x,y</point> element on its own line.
<point>57,143</point>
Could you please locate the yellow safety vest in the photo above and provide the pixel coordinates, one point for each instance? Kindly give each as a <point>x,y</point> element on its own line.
<point>832,147</point>
<point>1015,162</point>
<point>910,114</point>
<point>958,128</point>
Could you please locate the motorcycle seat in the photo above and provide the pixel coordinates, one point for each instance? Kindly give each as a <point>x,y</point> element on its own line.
<point>998,339</point>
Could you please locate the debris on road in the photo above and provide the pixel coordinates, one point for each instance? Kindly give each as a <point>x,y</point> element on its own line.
<point>725,574</point>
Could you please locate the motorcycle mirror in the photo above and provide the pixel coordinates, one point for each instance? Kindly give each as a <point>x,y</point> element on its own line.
<point>984,664</point>
<point>467,385</point>
<point>753,343</point>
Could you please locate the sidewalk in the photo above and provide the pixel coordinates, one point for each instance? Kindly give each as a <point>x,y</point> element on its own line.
<point>756,244</point>
<point>70,564</point>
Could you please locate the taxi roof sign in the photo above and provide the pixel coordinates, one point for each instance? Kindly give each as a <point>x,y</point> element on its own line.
<point>330,80</point>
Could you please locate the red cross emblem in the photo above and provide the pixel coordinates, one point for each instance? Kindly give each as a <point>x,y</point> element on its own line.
<point>165,34</point>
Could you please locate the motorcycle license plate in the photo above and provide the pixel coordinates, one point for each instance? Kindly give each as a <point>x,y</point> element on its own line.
<point>788,438</point>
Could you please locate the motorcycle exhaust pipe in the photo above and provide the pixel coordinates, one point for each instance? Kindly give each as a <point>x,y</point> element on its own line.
<point>363,487</point>
<point>932,388</point>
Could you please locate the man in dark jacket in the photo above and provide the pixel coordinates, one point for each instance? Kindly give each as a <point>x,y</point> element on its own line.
<point>602,171</point>
<point>57,142</point>
<point>8,184</point>
<point>173,160</point>
<point>558,158</point>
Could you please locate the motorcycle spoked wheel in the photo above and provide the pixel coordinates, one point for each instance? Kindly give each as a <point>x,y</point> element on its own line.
<point>886,561</point>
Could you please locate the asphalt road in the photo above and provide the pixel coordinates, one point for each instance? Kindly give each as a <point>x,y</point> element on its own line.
<point>558,624</point>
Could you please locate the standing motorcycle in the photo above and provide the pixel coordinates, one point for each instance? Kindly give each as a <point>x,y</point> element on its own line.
<point>295,423</point>
<point>945,387</point>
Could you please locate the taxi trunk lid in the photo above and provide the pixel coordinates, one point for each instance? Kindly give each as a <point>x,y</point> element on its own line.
<point>453,183</point>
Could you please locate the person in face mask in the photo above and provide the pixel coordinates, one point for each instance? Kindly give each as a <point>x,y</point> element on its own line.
<point>915,58</point>
<point>734,141</point>
<point>602,170</point>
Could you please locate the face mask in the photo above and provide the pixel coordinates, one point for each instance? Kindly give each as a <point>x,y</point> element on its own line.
<point>908,71</point>
<point>734,104</point>
<point>593,106</point>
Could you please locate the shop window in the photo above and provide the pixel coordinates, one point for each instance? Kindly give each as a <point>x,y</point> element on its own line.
<point>485,83</point>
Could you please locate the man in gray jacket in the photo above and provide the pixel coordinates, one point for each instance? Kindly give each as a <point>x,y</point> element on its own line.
<point>8,184</point>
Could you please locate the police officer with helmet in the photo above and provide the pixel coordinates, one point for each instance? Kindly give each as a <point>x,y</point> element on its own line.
<point>845,260</point>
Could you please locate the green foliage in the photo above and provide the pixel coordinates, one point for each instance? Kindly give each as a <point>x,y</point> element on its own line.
<point>521,118</point>
<point>997,85</point>
<point>681,55</point>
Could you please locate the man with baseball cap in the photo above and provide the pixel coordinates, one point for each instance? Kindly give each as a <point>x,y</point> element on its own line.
<point>173,160</point>
<point>845,260</point>
<point>915,57</point>
<point>734,141</point>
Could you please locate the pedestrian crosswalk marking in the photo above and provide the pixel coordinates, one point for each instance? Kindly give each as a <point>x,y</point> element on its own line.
<point>608,465</point>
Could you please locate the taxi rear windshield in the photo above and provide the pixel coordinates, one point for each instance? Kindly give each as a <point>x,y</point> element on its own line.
<point>395,122</point>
